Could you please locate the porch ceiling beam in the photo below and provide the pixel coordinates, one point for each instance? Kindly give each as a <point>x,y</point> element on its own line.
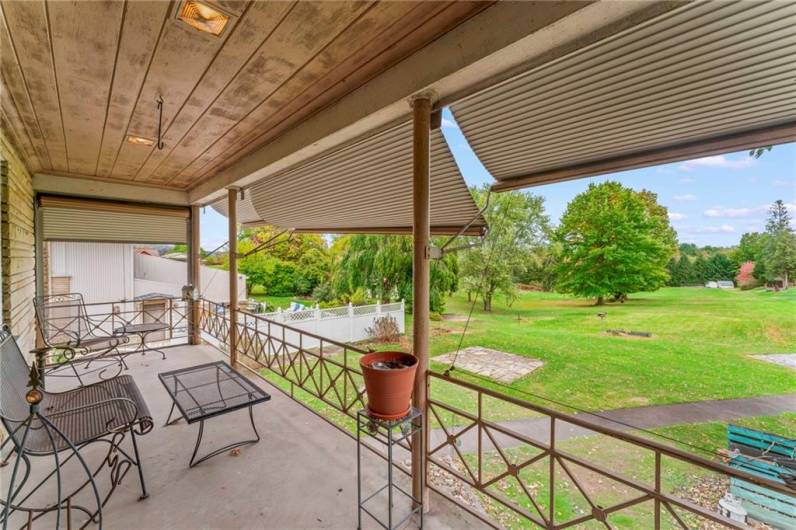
<point>772,135</point>
<point>103,189</point>
<point>492,45</point>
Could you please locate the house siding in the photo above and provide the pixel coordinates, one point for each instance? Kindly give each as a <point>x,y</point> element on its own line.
<point>17,238</point>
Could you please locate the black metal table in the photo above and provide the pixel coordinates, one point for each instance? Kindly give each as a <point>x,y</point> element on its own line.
<point>142,330</point>
<point>207,390</point>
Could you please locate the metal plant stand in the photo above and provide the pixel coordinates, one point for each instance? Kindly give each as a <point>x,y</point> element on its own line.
<point>390,434</point>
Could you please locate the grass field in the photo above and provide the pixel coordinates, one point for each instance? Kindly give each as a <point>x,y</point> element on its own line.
<point>284,302</point>
<point>700,348</point>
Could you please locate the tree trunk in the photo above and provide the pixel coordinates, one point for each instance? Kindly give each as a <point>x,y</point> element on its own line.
<point>785,283</point>
<point>600,301</point>
<point>488,302</point>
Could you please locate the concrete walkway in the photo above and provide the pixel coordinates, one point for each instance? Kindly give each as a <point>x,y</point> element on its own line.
<point>650,417</point>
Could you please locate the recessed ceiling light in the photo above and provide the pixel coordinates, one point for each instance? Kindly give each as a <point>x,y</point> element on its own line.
<point>203,17</point>
<point>137,140</point>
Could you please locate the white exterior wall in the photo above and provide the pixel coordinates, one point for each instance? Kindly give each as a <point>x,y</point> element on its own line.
<point>107,272</point>
<point>103,272</point>
<point>167,276</point>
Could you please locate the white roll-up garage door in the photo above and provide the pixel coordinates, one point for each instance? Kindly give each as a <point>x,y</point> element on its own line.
<point>76,219</point>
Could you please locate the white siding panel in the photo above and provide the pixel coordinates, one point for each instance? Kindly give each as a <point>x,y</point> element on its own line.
<point>102,272</point>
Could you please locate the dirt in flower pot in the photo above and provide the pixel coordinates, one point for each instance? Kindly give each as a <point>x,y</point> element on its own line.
<point>389,378</point>
<point>394,364</point>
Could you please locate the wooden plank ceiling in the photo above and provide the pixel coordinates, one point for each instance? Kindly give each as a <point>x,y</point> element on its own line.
<point>79,77</point>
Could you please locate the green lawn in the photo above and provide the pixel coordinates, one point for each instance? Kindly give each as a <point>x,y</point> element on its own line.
<point>700,347</point>
<point>277,301</point>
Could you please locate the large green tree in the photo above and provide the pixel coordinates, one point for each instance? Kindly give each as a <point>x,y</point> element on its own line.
<point>614,241</point>
<point>517,227</point>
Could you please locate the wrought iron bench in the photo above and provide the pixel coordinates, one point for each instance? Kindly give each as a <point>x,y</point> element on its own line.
<point>60,426</point>
<point>75,339</point>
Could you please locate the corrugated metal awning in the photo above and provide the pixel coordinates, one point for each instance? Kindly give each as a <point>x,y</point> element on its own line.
<point>77,219</point>
<point>706,78</point>
<point>364,187</point>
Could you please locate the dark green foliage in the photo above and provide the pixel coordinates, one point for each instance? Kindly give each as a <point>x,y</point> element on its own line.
<point>710,264</point>
<point>779,246</point>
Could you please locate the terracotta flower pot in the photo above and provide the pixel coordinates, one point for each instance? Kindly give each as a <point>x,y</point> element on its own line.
<point>389,378</point>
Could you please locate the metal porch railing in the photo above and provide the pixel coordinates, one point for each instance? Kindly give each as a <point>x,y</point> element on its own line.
<point>522,479</point>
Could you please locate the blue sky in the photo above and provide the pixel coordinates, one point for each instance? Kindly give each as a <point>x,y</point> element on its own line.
<point>711,201</point>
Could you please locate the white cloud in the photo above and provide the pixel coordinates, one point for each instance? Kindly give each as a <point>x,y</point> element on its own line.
<point>734,212</point>
<point>725,228</point>
<point>778,183</point>
<point>449,123</point>
<point>717,161</point>
<point>718,211</point>
<point>674,216</point>
<point>685,198</point>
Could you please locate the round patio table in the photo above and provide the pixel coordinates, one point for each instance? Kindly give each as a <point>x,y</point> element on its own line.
<point>142,330</point>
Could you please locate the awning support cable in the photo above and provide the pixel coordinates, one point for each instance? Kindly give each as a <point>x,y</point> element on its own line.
<point>270,243</point>
<point>437,253</point>
<point>475,296</point>
<point>222,245</point>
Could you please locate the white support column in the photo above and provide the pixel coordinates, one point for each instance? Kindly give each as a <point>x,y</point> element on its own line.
<point>421,234</point>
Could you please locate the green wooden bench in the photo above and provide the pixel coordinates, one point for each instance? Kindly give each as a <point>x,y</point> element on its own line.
<point>769,456</point>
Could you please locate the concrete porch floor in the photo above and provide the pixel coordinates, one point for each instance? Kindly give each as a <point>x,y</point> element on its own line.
<point>302,474</point>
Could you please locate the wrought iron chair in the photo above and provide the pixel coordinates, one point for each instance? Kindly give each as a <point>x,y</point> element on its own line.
<point>60,426</point>
<point>74,338</point>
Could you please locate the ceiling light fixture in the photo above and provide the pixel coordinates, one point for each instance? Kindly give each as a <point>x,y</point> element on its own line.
<point>138,140</point>
<point>203,17</point>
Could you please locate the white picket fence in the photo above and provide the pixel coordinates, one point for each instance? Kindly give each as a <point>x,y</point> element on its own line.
<point>343,324</point>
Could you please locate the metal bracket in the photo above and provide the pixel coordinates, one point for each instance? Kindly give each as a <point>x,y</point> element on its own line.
<point>160,143</point>
<point>438,253</point>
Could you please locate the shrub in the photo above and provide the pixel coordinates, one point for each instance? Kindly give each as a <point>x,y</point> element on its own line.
<point>323,292</point>
<point>384,329</point>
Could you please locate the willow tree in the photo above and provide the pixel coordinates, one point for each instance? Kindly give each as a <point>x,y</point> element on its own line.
<point>382,265</point>
<point>614,241</point>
